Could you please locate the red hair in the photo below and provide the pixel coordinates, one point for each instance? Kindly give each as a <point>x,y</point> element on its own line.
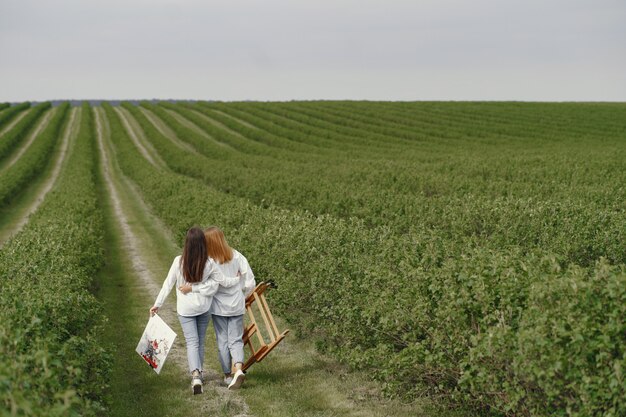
<point>216,245</point>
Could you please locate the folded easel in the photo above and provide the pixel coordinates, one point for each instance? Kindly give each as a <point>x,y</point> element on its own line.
<point>263,348</point>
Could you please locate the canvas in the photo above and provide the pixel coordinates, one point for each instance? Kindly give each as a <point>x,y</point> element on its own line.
<point>156,342</point>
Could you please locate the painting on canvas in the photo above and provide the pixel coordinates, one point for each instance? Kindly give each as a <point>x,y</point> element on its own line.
<point>155,343</point>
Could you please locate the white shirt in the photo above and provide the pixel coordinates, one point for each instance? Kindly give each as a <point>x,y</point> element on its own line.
<point>231,301</point>
<point>199,300</point>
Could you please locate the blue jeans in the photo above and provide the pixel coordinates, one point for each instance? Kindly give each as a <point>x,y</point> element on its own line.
<point>194,329</point>
<point>229,336</point>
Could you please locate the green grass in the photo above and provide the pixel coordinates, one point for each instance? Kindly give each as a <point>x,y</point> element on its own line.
<point>135,390</point>
<point>293,380</point>
<point>296,380</point>
<point>19,205</point>
<point>435,232</point>
<point>457,254</point>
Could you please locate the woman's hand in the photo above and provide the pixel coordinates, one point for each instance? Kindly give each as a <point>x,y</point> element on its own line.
<point>185,289</point>
<point>154,310</point>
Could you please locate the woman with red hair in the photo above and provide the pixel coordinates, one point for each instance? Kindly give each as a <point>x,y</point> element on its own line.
<point>229,305</point>
<point>194,267</point>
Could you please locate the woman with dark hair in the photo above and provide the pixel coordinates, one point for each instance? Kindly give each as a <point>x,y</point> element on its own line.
<point>228,305</point>
<point>194,267</point>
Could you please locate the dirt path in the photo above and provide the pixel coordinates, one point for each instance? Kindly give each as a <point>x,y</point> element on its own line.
<point>31,138</point>
<point>191,125</point>
<point>15,121</point>
<point>131,242</point>
<point>166,131</point>
<point>218,124</point>
<point>146,243</point>
<point>243,122</point>
<point>22,217</point>
<point>296,379</point>
<point>141,142</point>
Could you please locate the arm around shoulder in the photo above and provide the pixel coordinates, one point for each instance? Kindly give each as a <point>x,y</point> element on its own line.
<point>216,275</point>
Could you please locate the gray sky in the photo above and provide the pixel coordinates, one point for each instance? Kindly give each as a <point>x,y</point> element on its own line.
<point>324,49</point>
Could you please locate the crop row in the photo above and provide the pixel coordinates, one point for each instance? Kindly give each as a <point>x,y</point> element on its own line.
<point>394,173</point>
<point>50,361</point>
<point>389,135</point>
<point>475,317</point>
<point>516,119</point>
<point>467,202</point>
<point>35,158</point>
<point>586,221</point>
<point>290,117</point>
<point>13,137</point>
<point>8,114</point>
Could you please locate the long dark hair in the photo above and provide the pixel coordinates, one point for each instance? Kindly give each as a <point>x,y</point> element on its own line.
<point>194,255</point>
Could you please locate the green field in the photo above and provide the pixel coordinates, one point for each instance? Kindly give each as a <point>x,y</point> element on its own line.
<point>444,258</point>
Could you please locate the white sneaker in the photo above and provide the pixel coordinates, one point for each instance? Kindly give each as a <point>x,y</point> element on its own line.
<point>196,382</point>
<point>237,380</point>
<point>228,380</point>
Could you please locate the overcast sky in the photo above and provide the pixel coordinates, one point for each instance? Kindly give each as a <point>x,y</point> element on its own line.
<point>556,50</point>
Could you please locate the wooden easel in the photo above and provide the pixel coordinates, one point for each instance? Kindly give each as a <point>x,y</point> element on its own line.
<point>260,352</point>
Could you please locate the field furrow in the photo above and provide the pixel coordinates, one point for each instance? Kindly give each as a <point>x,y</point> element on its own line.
<point>313,381</point>
<point>272,137</point>
<point>20,131</point>
<point>432,258</point>
<point>139,140</point>
<point>51,361</point>
<point>243,122</point>
<point>29,140</point>
<point>16,216</point>
<point>165,130</point>
<point>14,120</point>
<point>238,143</point>
<point>34,159</point>
<point>358,140</point>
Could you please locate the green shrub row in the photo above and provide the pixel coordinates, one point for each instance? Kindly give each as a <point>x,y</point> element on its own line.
<point>8,114</point>
<point>516,329</point>
<point>198,141</point>
<point>480,121</point>
<point>13,137</point>
<point>35,159</point>
<point>51,363</point>
<point>269,118</point>
<point>463,203</point>
<point>272,147</point>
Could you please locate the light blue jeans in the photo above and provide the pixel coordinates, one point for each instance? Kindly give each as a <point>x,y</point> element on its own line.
<point>229,336</point>
<point>194,329</point>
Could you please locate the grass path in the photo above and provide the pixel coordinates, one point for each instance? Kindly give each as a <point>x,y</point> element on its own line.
<point>191,125</point>
<point>15,121</point>
<point>138,138</point>
<point>295,380</point>
<point>16,215</point>
<point>16,154</point>
<point>217,124</point>
<point>243,122</point>
<point>166,131</point>
<point>139,254</point>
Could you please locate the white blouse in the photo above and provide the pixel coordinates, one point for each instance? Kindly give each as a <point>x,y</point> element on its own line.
<point>199,300</point>
<point>231,301</point>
